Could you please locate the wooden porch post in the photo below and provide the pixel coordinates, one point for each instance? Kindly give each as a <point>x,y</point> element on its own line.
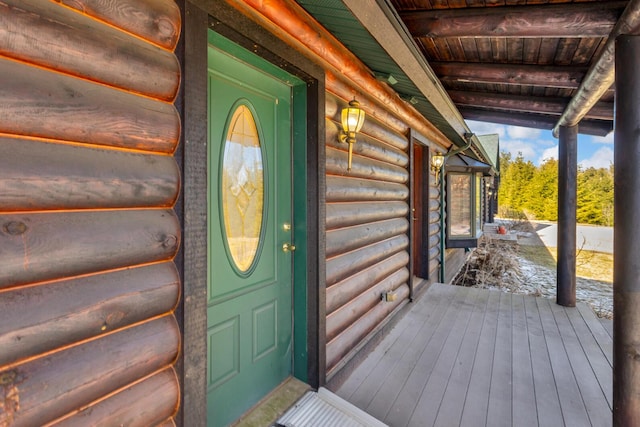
<point>567,179</point>
<point>626,267</point>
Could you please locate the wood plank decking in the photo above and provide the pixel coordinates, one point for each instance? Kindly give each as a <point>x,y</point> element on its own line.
<point>470,357</point>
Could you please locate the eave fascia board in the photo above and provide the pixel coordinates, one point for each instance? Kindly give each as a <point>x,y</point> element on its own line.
<point>384,24</point>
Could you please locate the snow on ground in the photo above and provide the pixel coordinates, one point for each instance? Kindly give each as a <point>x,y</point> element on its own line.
<point>498,265</point>
<point>540,280</point>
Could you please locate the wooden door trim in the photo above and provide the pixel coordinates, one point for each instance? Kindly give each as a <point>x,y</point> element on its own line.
<point>192,312</point>
<point>412,184</point>
<point>423,251</point>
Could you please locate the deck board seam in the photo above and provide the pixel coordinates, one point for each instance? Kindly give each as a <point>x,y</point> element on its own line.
<point>474,354</point>
<point>489,331</point>
<point>549,355</point>
<point>435,313</point>
<point>503,330</point>
<point>563,311</point>
<point>538,379</point>
<point>529,349</point>
<point>472,298</point>
<point>604,380</point>
<point>523,383</point>
<point>399,333</point>
<point>481,305</point>
<point>453,304</point>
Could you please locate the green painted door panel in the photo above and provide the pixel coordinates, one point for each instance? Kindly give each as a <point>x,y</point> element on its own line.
<point>250,285</point>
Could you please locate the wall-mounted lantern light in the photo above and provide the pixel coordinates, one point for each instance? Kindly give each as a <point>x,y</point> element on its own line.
<point>352,121</point>
<point>437,160</point>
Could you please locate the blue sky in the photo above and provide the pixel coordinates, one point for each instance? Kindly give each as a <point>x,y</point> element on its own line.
<point>537,145</point>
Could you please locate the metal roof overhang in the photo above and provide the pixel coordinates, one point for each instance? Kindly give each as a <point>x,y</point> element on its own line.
<point>462,163</point>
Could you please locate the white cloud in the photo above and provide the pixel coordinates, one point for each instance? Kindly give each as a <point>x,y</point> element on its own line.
<point>484,128</point>
<point>602,158</point>
<point>549,153</point>
<point>518,146</point>
<point>603,139</point>
<point>517,132</point>
<point>534,144</point>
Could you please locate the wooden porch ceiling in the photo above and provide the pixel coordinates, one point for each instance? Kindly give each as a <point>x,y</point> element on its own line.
<point>518,63</point>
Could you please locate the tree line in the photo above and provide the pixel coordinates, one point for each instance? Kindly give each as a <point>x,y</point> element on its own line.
<point>529,191</point>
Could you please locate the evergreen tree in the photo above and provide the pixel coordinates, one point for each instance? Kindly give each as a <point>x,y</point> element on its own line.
<point>543,191</point>
<point>534,190</point>
<point>514,182</point>
<point>505,182</point>
<point>595,196</point>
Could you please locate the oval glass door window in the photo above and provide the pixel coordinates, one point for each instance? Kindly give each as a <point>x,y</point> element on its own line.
<point>242,189</point>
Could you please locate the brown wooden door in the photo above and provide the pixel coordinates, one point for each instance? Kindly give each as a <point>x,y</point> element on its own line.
<point>419,211</point>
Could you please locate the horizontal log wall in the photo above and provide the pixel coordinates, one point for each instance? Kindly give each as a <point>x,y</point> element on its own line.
<point>367,227</point>
<point>140,405</point>
<point>87,48</point>
<point>88,233</point>
<point>55,106</point>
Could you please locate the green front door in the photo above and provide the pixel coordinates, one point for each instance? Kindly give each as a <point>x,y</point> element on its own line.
<point>250,267</point>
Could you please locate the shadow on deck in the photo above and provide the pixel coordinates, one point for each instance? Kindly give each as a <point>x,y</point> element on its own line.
<point>474,357</point>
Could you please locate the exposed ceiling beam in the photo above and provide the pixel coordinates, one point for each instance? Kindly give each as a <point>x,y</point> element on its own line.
<point>595,19</point>
<point>601,75</point>
<point>536,121</point>
<point>534,75</point>
<point>531,104</point>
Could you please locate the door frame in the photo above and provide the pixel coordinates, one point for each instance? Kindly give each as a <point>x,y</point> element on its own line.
<point>420,208</point>
<point>309,196</point>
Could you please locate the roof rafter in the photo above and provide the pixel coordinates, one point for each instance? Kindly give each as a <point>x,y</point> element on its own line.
<point>532,104</point>
<point>601,74</point>
<point>594,19</point>
<point>536,121</point>
<point>520,74</point>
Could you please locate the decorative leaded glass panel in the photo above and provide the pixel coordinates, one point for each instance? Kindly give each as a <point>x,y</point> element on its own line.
<point>242,188</point>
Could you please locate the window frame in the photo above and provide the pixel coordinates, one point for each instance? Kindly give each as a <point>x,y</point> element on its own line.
<point>475,205</point>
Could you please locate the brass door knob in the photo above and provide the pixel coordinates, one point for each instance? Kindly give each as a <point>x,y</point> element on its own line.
<point>288,247</point>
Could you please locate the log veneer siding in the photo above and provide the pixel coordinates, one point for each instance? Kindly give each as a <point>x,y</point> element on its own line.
<point>145,403</point>
<point>455,259</point>
<point>369,147</point>
<point>354,285</point>
<point>35,247</point>
<point>157,21</point>
<point>387,130</point>
<point>342,266</point>
<point>342,189</point>
<point>50,105</point>
<point>59,38</point>
<point>366,231</point>
<point>73,310</point>
<point>349,238</point>
<point>345,214</point>
<point>365,168</point>
<point>65,381</point>
<point>88,232</point>
<point>342,318</point>
<point>40,175</point>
